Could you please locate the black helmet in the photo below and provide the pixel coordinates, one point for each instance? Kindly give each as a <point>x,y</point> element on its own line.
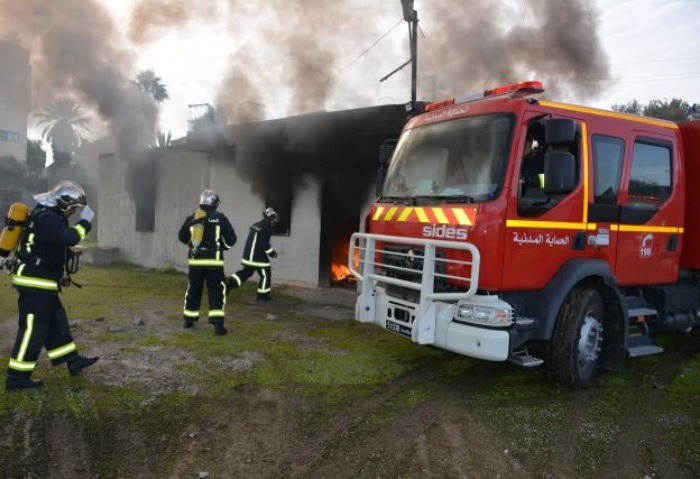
<point>209,198</point>
<point>270,215</point>
<point>64,196</point>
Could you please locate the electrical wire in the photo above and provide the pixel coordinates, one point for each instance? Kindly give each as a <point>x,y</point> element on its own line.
<point>372,45</point>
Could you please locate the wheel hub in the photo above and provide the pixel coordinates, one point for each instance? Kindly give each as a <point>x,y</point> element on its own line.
<point>590,341</point>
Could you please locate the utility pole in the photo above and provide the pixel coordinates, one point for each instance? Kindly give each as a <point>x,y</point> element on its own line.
<point>411,17</point>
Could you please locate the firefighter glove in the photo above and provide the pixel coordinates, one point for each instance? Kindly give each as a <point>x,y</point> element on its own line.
<point>87,214</point>
<point>273,254</point>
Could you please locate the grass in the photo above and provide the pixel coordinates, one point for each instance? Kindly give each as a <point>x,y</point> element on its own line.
<point>341,360</point>
<point>329,363</point>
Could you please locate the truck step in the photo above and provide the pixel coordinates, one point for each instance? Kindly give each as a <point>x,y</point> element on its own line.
<point>525,359</point>
<point>634,312</point>
<point>644,350</point>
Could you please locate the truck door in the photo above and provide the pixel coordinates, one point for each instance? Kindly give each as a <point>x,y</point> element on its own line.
<point>651,214</point>
<point>543,231</point>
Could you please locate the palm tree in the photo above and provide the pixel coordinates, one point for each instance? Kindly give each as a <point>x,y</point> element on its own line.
<point>148,82</point>
<point>163,139</point>
<point>65,125</point>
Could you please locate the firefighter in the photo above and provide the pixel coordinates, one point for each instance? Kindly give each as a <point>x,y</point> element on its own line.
<point>532,176</point>
<point>208,233</point>
<point>39,275</point>
<point>256,254</point>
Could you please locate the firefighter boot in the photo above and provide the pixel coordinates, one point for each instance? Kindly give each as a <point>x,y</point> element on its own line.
<point>77,363</point>
<point>188,324</point>
<point>219,329</point>
<point>264,297</point>
<point>231,284</point>
<point>20,380</point>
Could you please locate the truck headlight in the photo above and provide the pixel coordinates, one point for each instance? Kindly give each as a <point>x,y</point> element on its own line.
<point>496,315</point>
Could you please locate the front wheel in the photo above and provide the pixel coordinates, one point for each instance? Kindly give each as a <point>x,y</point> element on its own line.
<point>576,344</point>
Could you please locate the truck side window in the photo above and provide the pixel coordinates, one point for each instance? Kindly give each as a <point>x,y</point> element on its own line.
<point>608,156</point>
<point>650,178</point>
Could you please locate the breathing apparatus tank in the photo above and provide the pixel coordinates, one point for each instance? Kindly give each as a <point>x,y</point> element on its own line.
<point>15,221</point>
<point>197,228</point>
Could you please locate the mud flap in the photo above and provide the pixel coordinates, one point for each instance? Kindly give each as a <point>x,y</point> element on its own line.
<point>424,326</point>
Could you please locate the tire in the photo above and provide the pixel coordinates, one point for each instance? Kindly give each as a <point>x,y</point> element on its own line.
<point>575,348</point>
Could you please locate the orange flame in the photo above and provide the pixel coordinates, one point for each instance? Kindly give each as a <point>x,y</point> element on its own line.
<point>339,266</point>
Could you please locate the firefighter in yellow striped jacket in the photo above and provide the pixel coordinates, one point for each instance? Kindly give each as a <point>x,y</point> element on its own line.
<point>38,276</point>
<point>256,254</point>
<point>208,233</point>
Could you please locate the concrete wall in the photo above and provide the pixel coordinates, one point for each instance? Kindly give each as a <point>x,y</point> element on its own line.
<point>182,177</point>
<point>181,180</point>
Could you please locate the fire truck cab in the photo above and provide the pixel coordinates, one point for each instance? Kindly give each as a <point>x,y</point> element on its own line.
<point>506,224</point>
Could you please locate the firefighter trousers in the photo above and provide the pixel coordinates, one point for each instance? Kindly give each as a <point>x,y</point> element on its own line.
<point>216,291</point>
<point>264,272</point>
<point>42,323</point>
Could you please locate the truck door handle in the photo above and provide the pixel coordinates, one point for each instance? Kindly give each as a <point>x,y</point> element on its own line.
<point>579,242</point>
<point>672,243</point>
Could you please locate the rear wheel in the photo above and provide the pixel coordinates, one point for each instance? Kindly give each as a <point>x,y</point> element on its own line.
<point>576,344</point>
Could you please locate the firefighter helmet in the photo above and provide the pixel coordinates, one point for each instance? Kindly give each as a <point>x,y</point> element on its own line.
<point>67,196</point>
<point>209,198</point>
<point>270,215</point>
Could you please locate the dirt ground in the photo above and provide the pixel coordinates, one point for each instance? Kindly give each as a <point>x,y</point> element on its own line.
<point>449,433</point>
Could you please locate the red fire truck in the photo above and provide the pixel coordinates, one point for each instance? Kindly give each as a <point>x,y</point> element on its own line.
<point>509,227</point>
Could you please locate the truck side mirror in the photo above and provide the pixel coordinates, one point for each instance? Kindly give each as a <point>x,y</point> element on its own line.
<point>559,172</point>
<point>559,131</point>
<point>386,151</point>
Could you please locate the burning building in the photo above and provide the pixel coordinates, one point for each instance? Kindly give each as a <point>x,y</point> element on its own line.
<point>317,170</point>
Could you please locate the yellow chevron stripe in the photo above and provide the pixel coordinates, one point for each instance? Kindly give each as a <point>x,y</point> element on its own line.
<point>422,217</point>
<point>378,213</point>
<point>390,214</point>
<point>405,214</point>
<point>440,216</point>
<point>461,216</point>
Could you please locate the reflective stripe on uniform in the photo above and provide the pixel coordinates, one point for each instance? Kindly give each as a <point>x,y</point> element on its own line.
<point>26,338</point>
<point>264,287</point>
<point>62,351</point>
<point>252,251</point>
<point>216,313</point>
<point>81,231</point>
<point>206,262</point>
<point>190,314</point>
<point>236,278</point>
<point>255,264</point>
<point>28,281</point>
<point>21,365</point>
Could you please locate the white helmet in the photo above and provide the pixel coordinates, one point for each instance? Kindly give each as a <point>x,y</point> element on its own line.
<point>270,215</point>
<point>209,198</point>
<point>64,196</point>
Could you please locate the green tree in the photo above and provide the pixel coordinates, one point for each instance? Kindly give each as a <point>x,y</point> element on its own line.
<point>674,110</point>
<point>36,156</point>
<point>148,82</point>
<point>64,125</point>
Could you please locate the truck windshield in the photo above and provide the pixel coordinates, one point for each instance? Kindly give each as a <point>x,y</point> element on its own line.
<point>459,159</point>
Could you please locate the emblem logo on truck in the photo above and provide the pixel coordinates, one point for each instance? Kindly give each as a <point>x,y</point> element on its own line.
<point>444,232</point>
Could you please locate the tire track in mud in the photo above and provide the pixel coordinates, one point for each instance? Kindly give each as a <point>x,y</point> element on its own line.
<point>645,442</point>
<point>439,437</point>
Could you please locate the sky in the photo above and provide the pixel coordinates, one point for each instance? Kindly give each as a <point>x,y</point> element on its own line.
<point>292,57</point>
